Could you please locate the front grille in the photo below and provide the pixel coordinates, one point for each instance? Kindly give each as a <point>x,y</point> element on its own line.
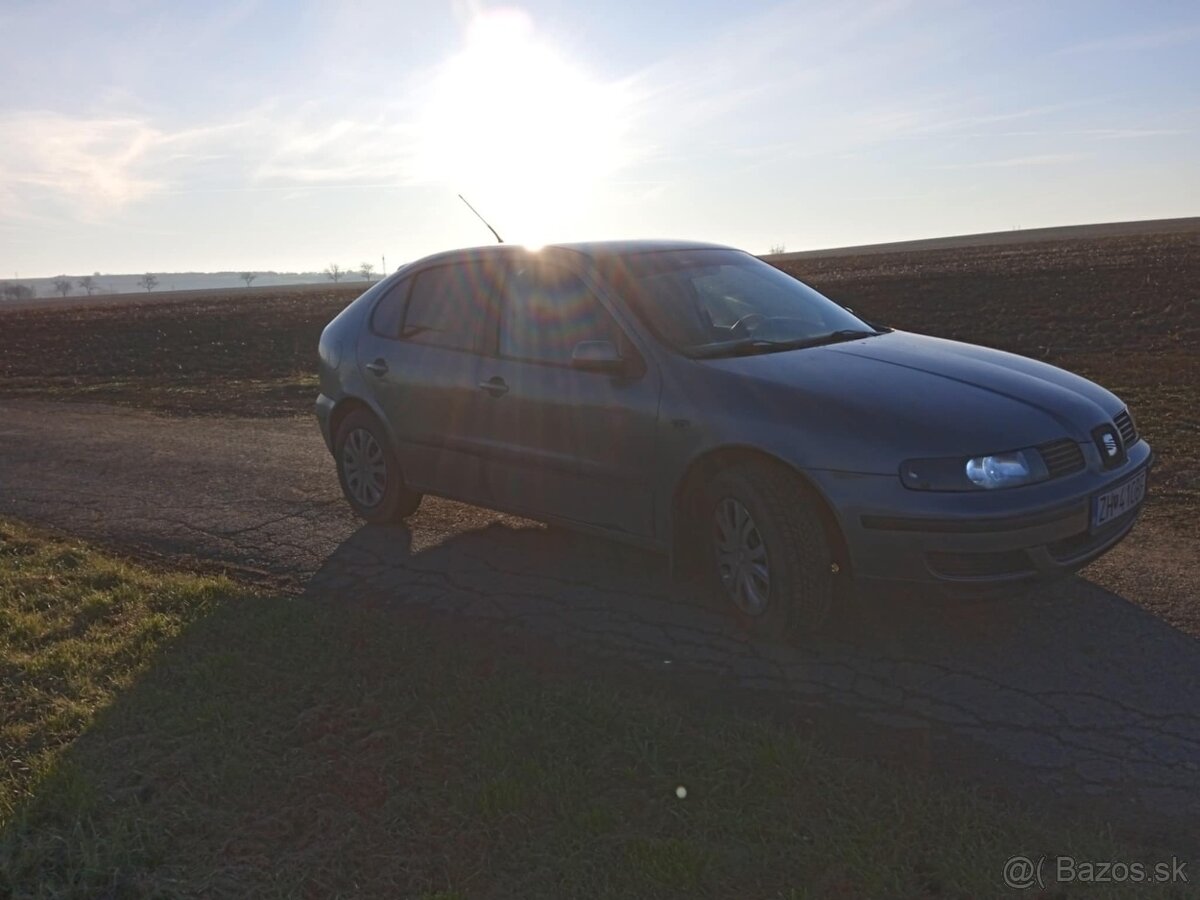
<point>1062,457</point>
<point>979,565</point>
<point>1124,422</point>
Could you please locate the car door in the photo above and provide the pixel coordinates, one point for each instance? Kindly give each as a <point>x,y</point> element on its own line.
<point>566,442</point>
<point>420,354</point>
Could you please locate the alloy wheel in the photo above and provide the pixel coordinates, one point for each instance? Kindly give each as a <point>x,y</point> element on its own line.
<point>364,467</point>
<point>742,561</point>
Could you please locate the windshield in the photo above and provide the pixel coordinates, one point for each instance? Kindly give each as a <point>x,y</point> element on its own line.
<point>713,302</point>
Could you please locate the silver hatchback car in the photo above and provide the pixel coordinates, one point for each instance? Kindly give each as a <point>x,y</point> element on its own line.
<point>694,399</point>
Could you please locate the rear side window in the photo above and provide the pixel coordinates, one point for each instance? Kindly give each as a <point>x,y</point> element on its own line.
<point>447,307</point>
<point>385,319</point>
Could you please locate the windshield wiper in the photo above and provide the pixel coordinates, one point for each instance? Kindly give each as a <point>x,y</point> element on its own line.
<point>751,345</point>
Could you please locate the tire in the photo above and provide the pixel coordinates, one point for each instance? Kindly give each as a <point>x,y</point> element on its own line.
<point>369,472</point>
<point>785,534</point>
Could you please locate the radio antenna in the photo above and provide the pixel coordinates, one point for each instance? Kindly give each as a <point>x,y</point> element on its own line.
<point>481,218</point>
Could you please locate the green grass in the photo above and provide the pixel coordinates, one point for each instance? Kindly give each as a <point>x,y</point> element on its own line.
<point>168,734</point>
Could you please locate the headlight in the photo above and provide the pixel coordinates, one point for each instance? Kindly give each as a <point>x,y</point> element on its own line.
<point>997,470</point>
<point>1000,470</point>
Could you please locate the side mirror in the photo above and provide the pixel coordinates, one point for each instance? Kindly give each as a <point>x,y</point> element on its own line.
<point>597,356</point>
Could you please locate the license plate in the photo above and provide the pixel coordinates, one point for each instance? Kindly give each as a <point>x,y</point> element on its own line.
<point>1121,499</point>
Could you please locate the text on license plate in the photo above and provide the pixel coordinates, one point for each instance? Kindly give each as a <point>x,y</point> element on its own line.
<point>1121,499</point>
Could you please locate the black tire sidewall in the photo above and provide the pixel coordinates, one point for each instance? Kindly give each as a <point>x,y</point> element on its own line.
<point>797,549</point>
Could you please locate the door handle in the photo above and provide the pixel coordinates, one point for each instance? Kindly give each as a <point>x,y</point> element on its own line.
<point>379,367</point>
<point>494,386</point>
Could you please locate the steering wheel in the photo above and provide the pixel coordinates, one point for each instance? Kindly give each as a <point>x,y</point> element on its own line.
<point>746,322</point>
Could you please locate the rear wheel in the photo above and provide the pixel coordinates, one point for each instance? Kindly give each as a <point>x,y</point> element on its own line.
<point>369,473</point>
<point>769,555</point>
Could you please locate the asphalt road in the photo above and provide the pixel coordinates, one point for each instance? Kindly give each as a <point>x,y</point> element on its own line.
<point>1073,687</point>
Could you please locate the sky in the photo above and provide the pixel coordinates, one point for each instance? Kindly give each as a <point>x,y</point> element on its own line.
<point>290,134</point>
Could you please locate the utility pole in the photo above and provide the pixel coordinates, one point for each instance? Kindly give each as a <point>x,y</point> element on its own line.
<point>383,264</point>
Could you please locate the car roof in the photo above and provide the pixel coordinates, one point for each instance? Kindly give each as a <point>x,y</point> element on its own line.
<point>601,249</point>
<point>594,249</point>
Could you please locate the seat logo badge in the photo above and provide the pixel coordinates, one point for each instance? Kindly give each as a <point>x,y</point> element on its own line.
<point>1110,444</point>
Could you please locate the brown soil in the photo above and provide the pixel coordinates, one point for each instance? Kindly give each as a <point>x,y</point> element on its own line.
<point>233,354</point>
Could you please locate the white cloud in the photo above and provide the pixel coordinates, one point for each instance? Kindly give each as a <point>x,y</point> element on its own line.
<point>1099,133</point>
<point>89,167</point>
<point>314,148</point>
<point>1043,159</point>
<point>93,162</point>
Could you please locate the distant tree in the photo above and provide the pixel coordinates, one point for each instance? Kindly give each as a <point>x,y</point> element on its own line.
<point>334,272</point>
<point>776,249</point>
<point>366,270</point>
<point>248,277</point>
<point>88,283</point>
<point>16,291</point>
<point>62,284</point>
<point>149,281</point>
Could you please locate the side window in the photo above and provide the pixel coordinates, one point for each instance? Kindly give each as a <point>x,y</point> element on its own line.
<point>545,311</point>
<point>385,318</point>
<point>447,307</point>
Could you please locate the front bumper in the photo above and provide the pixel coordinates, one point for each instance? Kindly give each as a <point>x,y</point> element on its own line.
<point>978,539</point>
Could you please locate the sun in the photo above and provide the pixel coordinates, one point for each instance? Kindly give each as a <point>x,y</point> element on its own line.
<point>521,130</point>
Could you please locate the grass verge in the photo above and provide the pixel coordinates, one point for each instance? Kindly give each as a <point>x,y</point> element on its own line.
<point>170,734</point>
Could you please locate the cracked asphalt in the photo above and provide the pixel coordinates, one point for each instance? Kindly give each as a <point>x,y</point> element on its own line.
<point>1080,690</point>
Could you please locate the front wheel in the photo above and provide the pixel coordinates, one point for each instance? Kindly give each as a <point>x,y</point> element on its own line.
<point>769,555</point>
<point>369,473</point>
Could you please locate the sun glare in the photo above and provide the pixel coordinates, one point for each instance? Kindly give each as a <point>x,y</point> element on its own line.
<point>525,133</point>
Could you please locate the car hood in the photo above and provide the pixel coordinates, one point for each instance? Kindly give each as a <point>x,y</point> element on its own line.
<point>920,395</point>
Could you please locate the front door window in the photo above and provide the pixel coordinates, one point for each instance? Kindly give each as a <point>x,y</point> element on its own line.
<point>545,311</point>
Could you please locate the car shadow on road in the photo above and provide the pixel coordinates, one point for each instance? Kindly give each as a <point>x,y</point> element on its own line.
<point>1076,687</point>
